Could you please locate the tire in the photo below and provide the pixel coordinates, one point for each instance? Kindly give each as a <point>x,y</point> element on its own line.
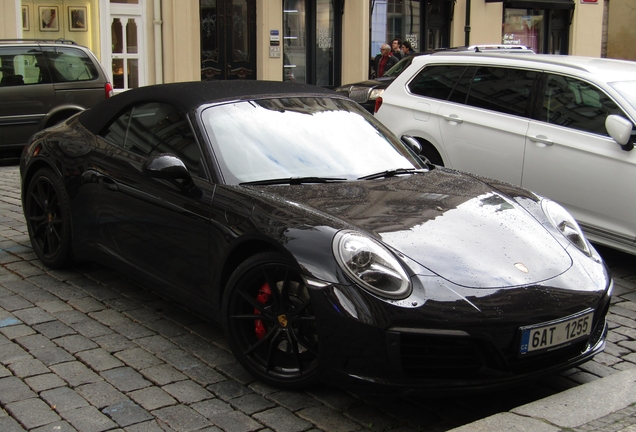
<point>269,321</point>
<point>429,152</point>
<point>47,214</point>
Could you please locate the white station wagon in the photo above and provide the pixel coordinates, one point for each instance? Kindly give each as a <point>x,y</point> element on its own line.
<point>562,126</point>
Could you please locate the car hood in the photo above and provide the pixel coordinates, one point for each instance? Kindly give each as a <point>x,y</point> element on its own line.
<point>453,224</point>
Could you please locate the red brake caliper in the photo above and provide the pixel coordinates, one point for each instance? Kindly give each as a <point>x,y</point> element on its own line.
<point>264,294</point>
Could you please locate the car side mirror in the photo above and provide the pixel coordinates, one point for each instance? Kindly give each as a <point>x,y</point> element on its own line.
<point>620,129</point>
<point>169,167</point>
<point>412,143</point>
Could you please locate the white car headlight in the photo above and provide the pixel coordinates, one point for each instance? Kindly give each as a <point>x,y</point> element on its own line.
<point>565,223</point>
<point>371,265</point>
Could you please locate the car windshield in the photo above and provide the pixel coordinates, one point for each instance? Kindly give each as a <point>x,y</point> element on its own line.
<point>399,67</point>
<point>627,89</point>
<point>306,137</point>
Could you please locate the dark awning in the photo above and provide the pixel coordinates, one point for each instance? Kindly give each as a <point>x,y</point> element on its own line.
<point>538,4</point>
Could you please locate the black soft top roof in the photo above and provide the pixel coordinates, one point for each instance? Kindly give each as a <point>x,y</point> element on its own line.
<point>189,95</point>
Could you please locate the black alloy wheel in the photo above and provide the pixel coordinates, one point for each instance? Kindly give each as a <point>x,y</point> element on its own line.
<point>269,321</point>
<point>48,218</point>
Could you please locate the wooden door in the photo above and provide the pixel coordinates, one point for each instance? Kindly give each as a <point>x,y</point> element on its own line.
<point>228,39</point>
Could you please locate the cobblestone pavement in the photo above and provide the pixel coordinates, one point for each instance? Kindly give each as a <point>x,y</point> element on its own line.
<point>86,350</point>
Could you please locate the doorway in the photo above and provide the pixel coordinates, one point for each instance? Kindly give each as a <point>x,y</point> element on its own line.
<point>228,39</point>
<point>312,40</point>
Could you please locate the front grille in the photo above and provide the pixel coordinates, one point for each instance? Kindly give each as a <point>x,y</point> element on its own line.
<point>360,95</point>
<point>435,356</point>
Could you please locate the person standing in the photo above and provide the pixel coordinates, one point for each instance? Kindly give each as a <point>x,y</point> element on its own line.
<point>384,61</point>
<point>396,48</point>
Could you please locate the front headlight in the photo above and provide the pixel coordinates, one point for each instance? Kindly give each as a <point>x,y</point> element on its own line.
<point>371,265</point>
<point>375,93</point>
<point>565,223</point>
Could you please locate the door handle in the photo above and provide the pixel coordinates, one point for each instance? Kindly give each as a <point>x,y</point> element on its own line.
<point>108,183</point>
<point>453,118</point>
<point>541,140</point>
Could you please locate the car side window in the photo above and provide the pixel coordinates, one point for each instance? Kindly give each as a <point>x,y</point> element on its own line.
<point>505,90</point>
<point>154,128</point>
<point>70,64</point>
<point>576,104</point>
<point>22,68</point>
<point>436,81</point>
<point>460,92</point>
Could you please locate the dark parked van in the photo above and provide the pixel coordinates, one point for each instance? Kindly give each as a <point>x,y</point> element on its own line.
<point>43,83</point>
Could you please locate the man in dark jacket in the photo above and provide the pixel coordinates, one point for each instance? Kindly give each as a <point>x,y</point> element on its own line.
<point>396,48</point>
<point>383,61</point>
<point>407,49</point>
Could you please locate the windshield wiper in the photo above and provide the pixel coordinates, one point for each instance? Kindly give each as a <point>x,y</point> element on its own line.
<point>295,180</point>
<point>391,173</point>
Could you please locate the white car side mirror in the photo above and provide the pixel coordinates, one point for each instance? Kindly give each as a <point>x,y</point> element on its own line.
<point>620,129</point>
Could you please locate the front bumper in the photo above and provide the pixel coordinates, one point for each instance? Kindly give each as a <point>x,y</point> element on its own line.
<point>469,367</point>
<point>449,346</point>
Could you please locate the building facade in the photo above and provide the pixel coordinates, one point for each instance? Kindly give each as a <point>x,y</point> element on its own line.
<point>322,42</point>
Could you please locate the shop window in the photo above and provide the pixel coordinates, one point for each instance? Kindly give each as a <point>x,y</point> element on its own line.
<point>542,30</point>
<point>426,25</point>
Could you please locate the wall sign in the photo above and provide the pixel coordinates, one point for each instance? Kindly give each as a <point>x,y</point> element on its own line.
<point>274,44</point>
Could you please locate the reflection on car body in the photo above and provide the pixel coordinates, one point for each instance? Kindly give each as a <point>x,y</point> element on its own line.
<point>321,243</point>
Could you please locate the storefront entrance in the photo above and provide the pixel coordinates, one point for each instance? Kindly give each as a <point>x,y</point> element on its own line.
<point>543,26</point>
<point>312,32</point>
<point>228,39</point>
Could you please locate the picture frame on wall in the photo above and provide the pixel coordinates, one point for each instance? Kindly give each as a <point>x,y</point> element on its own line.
<point>25,19</point>
<point>77,18</point>
<point>49,18</point>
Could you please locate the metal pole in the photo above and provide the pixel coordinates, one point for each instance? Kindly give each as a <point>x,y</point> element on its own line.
<point>467,26</point>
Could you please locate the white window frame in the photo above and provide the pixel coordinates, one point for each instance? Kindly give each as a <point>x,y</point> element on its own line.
<point>124,12</point>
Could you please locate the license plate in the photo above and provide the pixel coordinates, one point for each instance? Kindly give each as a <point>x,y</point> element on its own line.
<point>555,334</point>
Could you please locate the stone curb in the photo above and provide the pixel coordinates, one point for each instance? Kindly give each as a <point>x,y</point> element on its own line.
<point>572,408</point>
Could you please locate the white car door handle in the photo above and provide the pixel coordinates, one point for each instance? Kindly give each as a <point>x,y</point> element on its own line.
<point>542,140</point>
<point>453,118</point>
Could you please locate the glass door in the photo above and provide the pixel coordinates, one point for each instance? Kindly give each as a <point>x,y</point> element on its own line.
<point>437,19</point>
<point>294,41</point>
<point>311,41</point>
<point>228,39</point>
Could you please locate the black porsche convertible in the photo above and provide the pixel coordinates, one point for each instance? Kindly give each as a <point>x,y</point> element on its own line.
<point>325,246</point>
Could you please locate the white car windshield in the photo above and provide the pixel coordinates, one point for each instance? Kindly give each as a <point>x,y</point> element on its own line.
<point>627,89</point>
<point>300,138</point>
